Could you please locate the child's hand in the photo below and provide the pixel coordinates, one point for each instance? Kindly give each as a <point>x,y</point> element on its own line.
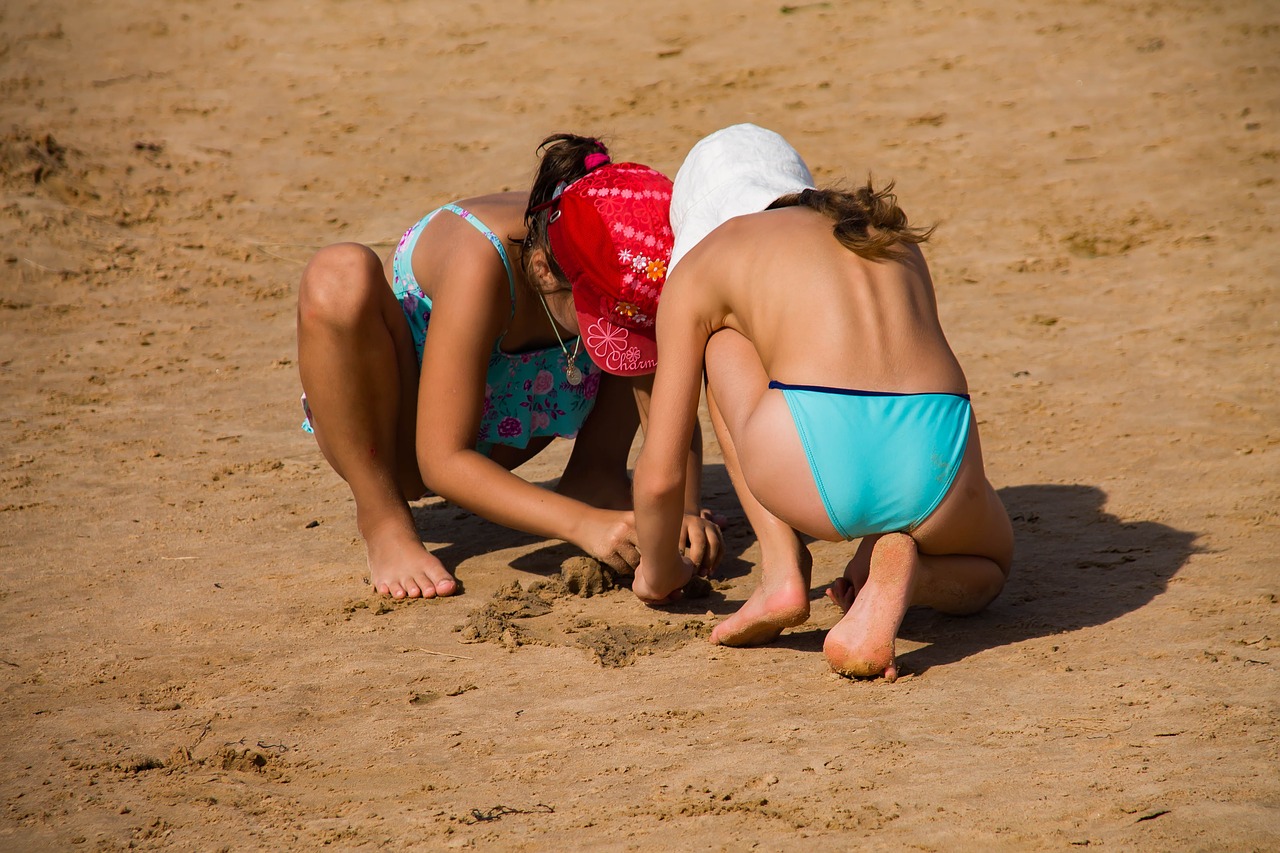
<point>662,587</point>
<point>610,537</point>
<point>702,542</point>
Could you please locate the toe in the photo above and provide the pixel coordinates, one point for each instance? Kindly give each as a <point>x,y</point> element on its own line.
<point>840,593</point>
<point>443,585</point>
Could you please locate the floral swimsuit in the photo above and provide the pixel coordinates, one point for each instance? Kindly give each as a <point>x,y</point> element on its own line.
<point>526,395</point>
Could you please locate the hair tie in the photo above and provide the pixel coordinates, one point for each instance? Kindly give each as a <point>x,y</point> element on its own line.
<point>555,197</point>
<point>595,161</point>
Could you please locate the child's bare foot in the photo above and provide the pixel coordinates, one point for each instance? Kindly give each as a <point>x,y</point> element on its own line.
<point>844,590</point>
<point>399,565</point>
<point>780,601</point>
<point>861,645</point>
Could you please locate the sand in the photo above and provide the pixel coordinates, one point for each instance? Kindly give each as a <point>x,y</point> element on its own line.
<point>191,658</point>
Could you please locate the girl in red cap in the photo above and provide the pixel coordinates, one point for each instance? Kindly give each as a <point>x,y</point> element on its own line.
<point>461,357</point>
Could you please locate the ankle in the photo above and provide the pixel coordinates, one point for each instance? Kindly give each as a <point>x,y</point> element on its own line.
<point>386,525</point>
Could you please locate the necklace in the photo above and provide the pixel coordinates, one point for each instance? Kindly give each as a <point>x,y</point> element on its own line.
<point>571,372</point>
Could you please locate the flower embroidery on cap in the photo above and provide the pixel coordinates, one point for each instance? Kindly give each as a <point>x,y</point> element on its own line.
<point>610,345</point>
<point>606,338</point>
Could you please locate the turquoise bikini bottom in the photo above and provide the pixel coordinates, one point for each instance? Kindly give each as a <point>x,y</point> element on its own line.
<point>882,461</point>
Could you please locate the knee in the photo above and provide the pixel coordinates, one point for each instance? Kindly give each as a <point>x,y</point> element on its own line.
<point>989,586</point>
<point>971,590</point>
<point>338,283</point>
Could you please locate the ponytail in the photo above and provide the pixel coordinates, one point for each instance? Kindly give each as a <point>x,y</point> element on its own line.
<point>565,157</point>
<point>868,222</point>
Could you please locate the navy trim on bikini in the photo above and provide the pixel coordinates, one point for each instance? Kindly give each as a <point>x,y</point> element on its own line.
<point>851,392</point>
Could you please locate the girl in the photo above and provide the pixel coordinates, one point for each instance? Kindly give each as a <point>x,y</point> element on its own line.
<point>841,409</point>
<point>460,358</point>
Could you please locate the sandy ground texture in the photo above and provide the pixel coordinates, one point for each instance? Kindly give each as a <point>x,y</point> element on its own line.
<point>191,658</point>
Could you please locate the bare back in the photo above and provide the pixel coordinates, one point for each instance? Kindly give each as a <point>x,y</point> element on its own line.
<point>817,313</point>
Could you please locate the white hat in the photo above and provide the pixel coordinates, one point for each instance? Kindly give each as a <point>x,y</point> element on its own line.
<point>735,171</point>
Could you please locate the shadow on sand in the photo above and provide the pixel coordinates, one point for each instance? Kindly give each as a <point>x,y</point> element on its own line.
<point>465,536</point>
<point>1076,565</point>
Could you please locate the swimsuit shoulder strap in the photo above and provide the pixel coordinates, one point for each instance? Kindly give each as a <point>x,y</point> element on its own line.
<point>402,261</point>
<point>493,238</point>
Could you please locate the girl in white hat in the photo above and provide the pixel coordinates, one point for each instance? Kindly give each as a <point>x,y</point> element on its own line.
<point>841,410</point>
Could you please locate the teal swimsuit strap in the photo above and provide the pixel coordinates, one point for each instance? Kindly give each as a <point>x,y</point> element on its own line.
<point>470,218</point>
<point>406,251</point>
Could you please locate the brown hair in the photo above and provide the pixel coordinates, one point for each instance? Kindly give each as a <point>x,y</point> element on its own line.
<point>868,221</point>
<point>563,161</point>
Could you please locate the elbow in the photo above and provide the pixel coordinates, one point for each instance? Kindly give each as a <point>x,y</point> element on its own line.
<point>433,469</point>
<point>432,481</point>
<point>654,484</point>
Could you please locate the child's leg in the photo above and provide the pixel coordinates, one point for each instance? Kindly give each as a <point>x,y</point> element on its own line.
<point>959,585</point>
<point>966,547</point>
<point>844,590</point>
<point>753,440</point>
<point>956,562</point>
<point>862,643</point>
<point>967,543</point>
<point>596,473</point>
<point>358,369</point>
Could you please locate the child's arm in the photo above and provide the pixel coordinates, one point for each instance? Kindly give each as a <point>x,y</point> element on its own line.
<point>662,469</point>
<point>700,537</point>
<point>466,318</point>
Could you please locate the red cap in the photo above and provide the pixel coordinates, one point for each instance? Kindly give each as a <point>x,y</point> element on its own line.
<point>611,234</point>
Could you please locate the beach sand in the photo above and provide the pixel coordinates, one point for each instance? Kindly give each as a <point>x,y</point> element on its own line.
<point>191,658</point>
